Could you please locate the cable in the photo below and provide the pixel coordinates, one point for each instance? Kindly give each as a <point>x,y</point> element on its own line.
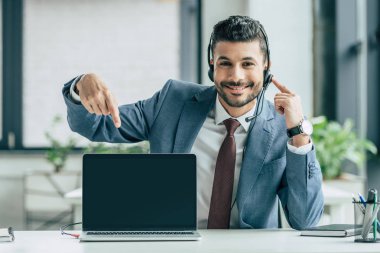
<point>258,110</point>
<point>261,102</point>
<point>63,227</point>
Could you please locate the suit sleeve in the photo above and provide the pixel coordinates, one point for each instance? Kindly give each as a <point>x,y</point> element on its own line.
<point>136,119</point>
<point>300,191</point>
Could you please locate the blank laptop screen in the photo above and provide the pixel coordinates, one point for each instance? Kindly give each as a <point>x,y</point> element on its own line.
<point>139,192</point>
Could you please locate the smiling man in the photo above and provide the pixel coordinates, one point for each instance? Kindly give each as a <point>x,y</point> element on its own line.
<point>250,152</point>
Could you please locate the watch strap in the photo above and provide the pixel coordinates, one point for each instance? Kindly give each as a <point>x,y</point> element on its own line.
<point>294,131</point>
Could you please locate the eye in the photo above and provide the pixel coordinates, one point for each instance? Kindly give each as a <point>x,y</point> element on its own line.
<point>225,63</point>
<point>248,64</point>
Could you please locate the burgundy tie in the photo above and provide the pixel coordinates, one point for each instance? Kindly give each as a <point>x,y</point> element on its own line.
<point>220,206</point>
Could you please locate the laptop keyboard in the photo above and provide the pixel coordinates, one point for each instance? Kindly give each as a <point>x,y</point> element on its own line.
<point>141,233</point>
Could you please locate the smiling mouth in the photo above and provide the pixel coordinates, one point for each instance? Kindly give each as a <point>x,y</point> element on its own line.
<point>237,88</point>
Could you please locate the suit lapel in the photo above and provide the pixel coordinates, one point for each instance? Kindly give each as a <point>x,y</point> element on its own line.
<point>259,141</point>
<point>192,118</point>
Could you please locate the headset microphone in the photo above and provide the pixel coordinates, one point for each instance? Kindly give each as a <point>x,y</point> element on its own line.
<point>250,118</point>
<point>260,102</point>
<point>267,80</point>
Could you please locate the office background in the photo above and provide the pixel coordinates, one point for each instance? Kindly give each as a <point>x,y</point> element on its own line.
<point>326,51</point>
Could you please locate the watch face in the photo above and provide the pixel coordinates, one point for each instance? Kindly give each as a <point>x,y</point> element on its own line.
<point>307,127</point>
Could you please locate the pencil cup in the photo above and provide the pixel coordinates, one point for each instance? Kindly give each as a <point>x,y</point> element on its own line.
<point>366,222</point>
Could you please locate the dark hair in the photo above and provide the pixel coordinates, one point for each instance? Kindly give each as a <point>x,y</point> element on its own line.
<point>239,29</point>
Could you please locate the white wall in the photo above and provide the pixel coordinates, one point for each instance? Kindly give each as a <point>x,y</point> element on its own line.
<point>132,45</point>
<point>288,24</point>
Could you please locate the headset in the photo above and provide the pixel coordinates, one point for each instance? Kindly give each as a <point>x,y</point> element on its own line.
<point>267,75</point>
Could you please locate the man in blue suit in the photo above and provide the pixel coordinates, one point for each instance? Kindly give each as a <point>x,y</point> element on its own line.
<point>273,156</point>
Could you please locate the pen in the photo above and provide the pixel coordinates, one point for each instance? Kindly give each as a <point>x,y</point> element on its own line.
<point>375,221</point>
<point>362,199</point>
<point>364,204</point>
<point>356,201</point>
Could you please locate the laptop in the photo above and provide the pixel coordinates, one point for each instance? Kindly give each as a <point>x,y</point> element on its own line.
<point>139,197</point>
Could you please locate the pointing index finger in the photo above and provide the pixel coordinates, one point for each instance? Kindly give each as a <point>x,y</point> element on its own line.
<point>114,111</point>
<point>281,87</point>
<point>116,117</point>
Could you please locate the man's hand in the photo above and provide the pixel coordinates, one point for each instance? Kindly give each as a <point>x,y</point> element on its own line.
<point>288,103</point>
<point>96,97</point>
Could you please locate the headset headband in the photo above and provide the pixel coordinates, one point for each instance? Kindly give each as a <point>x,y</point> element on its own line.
<point>209,49</point>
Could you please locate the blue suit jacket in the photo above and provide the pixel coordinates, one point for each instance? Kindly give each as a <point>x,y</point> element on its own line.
<point>171,120</point>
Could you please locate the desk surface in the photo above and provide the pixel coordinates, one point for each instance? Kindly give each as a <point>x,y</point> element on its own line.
<point>231,241</point>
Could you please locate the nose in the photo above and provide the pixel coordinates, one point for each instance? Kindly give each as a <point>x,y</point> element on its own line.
<point>236,74</point>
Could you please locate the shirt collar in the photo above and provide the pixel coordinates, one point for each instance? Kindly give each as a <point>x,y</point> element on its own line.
<point>221,114</point>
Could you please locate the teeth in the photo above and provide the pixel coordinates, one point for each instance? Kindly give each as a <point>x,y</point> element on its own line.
<point>237,88</point>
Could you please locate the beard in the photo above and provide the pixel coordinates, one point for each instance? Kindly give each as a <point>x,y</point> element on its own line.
<point>236,102</point>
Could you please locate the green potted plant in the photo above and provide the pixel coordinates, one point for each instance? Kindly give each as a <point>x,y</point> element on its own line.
<point>336,143</point>
<point>45,204</point>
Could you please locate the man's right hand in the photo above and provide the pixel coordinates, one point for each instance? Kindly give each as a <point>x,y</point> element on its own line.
<point>96,97</point>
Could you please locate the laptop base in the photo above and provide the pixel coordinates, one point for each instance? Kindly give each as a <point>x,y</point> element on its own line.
<point>192,236</point>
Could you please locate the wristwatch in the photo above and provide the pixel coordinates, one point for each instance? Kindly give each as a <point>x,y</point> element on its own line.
<point>304,127</point>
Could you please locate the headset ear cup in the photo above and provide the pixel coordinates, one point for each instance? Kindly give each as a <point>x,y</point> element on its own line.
<point>267,78</point>
<point>211,72</point>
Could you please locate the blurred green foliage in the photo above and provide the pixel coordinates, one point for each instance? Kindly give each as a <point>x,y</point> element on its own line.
<point>335,143</point>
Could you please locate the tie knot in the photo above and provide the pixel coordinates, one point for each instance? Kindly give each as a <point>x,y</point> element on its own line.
<point>231,125</point>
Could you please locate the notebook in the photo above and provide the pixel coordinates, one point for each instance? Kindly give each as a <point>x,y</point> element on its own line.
<point>6,235</point>
<point>139,197</point>
<point>333,230</point>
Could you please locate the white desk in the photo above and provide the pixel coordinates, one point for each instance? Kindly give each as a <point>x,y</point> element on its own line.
<point>220,241</point>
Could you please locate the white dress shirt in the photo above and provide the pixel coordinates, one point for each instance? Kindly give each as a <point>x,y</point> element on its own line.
<point>206,148</point>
